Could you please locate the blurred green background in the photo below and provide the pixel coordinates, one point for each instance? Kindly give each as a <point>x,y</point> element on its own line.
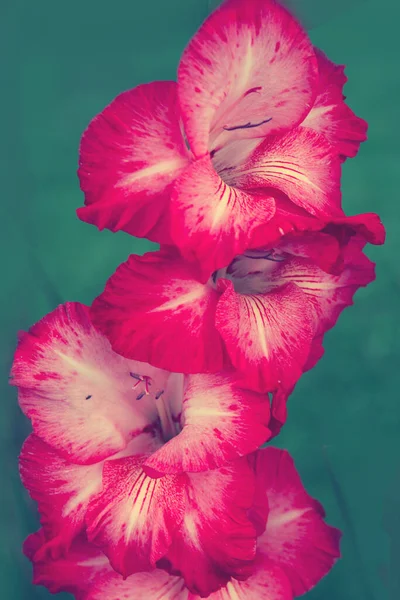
<point>62,62</point>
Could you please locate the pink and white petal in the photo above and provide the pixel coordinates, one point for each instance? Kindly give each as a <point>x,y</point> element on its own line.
<point>267,336</point>
<point>279,410</point>
<point>135,518</point>
<point>75,572</point>
<point>316,353</point>
<point>86,572</point>
<point>249,71</point>
<point>153,585</point>
<point>216,539</point>
<point>221,422</point>
<point>75,389</point>
<point>367,225</point>
<point>212,222</point>
<point>301,164</point>
<point>296,537</point>
<point>330,115</point>
<point>323,249</point>
<point>289,218</point>
<point>155,309</point>
<point>130,155</point>
<point>267,582</point>
<point>63,491</point>
<point>329,294</point>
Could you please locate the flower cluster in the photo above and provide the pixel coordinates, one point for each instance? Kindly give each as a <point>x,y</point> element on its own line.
<point>149,408</point>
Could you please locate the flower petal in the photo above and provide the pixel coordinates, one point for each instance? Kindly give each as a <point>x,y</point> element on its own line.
<point>220,422</point>
<point>267,582</point>
<point>86,572</point>
<point>75,572</point>
<point>75,389</point>
<point>323,249</point>
<point>135,517</point>
<point>129,156</point>
<point>279,406</point>
<point>249,71</point>
<point>288,218</point>
<point>366,225</point>
<point>302,165</point>
<point>153,585</point>
<point>267,336</point>
<point>329,294</point>
<point>212,222</point>
<point>291,219</point>
<point>296,537</point>
<point>62,489</point>
<point>330,115</point>
<point>155,309</point>
<point>216,539</point>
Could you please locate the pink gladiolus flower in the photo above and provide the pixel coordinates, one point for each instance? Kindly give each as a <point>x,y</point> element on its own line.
<point>295,549</point>
<point>256,112</point>
<point>265,314</point>
<point>146,461</point>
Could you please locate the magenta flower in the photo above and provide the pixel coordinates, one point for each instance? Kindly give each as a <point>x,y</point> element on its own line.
<point>264,315</point>
<point>295,549</point>
<point>133,453</point>
<point>256,113</point>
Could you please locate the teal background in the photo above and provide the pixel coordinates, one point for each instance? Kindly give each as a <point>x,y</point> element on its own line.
<point>61,63</point>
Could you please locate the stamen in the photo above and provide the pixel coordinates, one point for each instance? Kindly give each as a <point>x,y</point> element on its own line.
<point>257,254</point>
<point>88,397</point>
<point>136,376</point>
<point>168,427</point>
<point>159,394</point>
<point>141,379</point>
<point>247,125</point>
<point>266,255</point>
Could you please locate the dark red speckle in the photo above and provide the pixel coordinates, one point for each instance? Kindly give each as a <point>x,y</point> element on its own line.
<point>218,433</point>
<point>252,90</point>
<point>45,376</point>
<point>277,46</point>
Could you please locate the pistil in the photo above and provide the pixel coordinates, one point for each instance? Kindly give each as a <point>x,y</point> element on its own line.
<point>168,426</point>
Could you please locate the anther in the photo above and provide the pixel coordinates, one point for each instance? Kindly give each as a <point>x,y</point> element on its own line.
<point>159,394</point>
<point>140,396</point>
<point>136,376</point>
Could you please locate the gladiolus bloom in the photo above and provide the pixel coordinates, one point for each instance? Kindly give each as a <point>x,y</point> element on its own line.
<point>256,112</point>
<point>132,454</point>
<point>295,549</point>
<point>264,314</point>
